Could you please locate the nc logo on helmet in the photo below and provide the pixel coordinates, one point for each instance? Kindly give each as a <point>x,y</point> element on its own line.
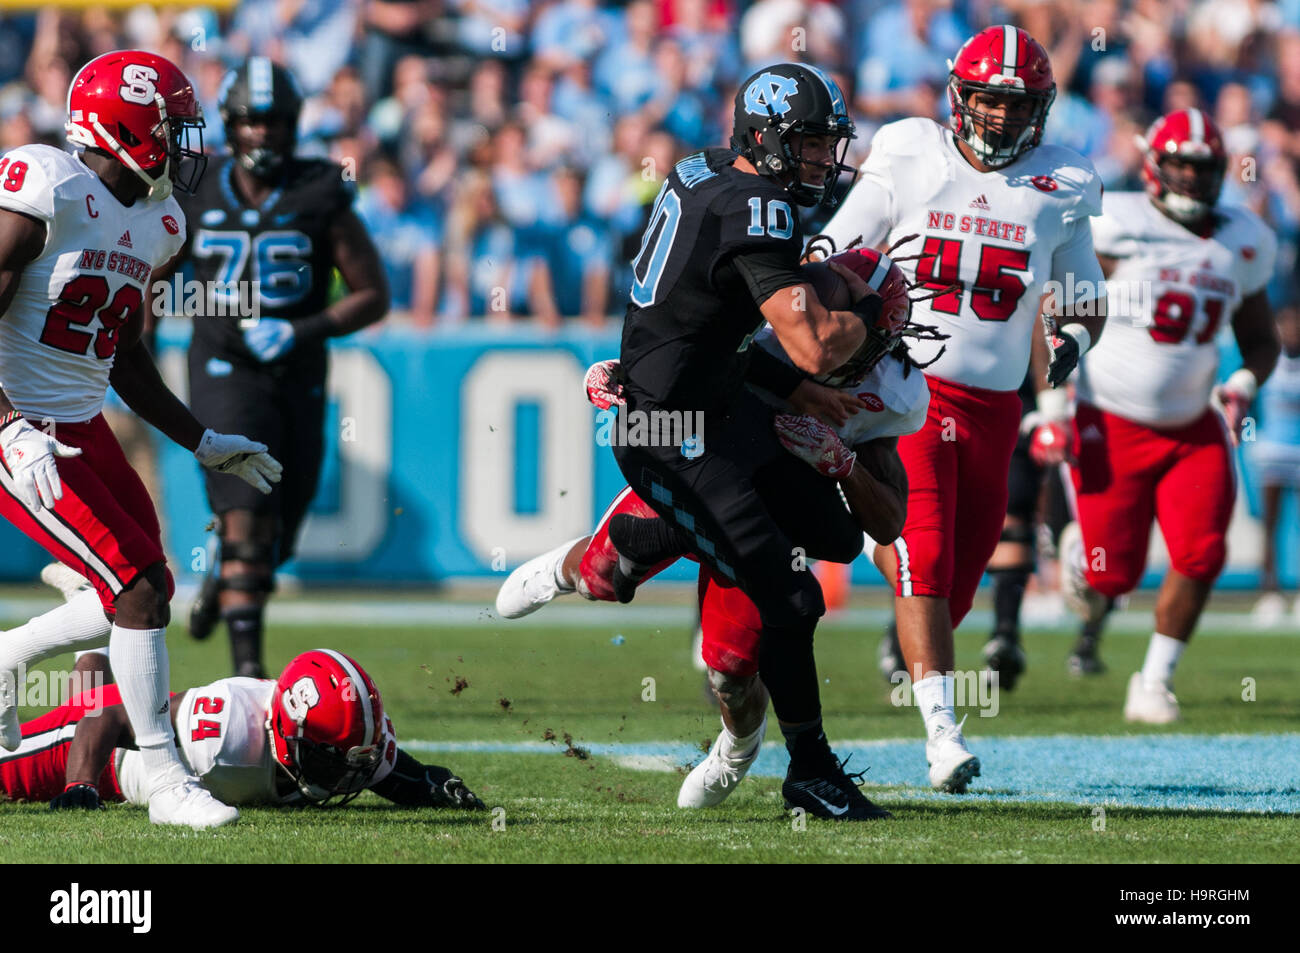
<point>301,698</point>
<point>770,92</point>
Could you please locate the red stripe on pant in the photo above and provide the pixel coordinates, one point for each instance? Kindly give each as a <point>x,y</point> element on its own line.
<point>42,775</point>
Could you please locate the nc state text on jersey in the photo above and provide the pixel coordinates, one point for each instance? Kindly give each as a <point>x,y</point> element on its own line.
<point>975,224</point>
<point>97,259</point>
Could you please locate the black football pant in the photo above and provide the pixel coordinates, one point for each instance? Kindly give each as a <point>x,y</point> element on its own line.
<point>755,514</point>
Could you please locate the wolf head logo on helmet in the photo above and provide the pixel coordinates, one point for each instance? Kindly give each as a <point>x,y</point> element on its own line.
<point>327,725</point>
<point>1183,163</point>
<point>139,108</point>
<point>1007,64</point>
<point>260,92</point>
<point>777,110</point>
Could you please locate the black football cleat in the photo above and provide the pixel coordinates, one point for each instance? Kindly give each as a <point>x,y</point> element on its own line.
<point>822,789</point>
<point>1003,655</point>
<point>205,611</point>
<point>1085,659</point>
<point>889,656</point>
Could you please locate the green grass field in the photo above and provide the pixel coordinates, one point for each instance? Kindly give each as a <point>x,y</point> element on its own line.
<point>533,685</point>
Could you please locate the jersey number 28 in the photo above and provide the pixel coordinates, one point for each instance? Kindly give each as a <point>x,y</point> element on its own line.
<point>80,302</point>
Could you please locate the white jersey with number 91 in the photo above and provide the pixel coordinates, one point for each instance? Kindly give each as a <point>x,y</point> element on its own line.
<point>1169,294</point>
<point>60,332</point>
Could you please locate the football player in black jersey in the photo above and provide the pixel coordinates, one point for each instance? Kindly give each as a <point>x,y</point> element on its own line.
<point>719,257</point>
<point>267,230</point>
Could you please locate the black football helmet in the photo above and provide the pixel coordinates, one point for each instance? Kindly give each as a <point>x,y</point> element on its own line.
<point>785,99</point>
<point>260,89</point>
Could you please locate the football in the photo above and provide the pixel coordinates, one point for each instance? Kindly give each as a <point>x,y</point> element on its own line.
<point>832,290</point>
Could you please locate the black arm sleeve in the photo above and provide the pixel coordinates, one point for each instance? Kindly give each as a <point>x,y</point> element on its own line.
<point>412,784</point>
<point>767,270</point>
<point>772,374</point>
<point>407,784</point>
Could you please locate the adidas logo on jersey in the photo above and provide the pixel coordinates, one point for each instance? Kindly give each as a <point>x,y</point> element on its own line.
<point>981,203</point>
<point>125,240</point>
<point>1091,432</point>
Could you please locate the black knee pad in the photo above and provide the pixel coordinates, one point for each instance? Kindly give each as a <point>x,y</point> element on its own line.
<point>1022,535</point>
<point>259,554</point>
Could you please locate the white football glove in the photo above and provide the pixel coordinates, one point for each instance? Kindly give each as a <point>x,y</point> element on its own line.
<point>30,455</point>
<point>241,457</point>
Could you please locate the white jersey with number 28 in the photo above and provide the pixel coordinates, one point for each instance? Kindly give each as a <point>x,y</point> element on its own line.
<point>59,334</point>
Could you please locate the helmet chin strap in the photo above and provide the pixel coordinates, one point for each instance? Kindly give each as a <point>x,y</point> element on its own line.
<point>159,188</point>
<point>1183,207</point>
<point>989,154</point>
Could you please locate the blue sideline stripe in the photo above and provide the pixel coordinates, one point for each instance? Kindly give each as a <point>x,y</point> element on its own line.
<point>1258,774</point>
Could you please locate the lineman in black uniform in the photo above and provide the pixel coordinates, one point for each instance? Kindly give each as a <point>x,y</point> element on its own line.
<point>720,256</point>
<point>270,225</point>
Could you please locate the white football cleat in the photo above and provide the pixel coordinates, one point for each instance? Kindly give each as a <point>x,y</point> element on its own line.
<point>533,584</point>
<point>1150,706</point>
<point>1269,610</point>
<point>1083,600</point>
<point>11,730</point>
<point>187,803</point>
<point>714,778</point>
<point>67,581</point>
<point>951,764</point>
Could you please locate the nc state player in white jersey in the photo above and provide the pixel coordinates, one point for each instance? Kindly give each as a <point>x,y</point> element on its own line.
<point>316,735</point>
<point>81,237</point>
<point>1001,217</point>
<point>1148,443</point>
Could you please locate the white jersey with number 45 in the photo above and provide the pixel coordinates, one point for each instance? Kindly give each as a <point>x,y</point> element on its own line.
<point>1169,294</point>
<point>59,334</point>
<point>998,236</point>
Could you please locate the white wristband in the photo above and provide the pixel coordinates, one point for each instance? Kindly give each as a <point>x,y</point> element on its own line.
<point>1080,334</point>
<point>1053,405</point>
<point>1242,381</point>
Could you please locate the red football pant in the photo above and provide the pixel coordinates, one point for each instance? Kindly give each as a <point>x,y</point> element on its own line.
<point>957,466</point>
<point>37,771</point>
<point>105,526</point>
<point>729,619</point>
<point>1129,473</point>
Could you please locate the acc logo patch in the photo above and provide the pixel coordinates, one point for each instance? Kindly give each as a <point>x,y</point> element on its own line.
<point>173,227</point>
<point>873,401</point>
<point>301,698</point>
<point>1044,183</point>
<point>770,92</point>
<point>1248,253</point>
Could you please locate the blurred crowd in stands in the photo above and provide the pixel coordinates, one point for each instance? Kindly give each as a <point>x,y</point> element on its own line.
<point>507,151</point>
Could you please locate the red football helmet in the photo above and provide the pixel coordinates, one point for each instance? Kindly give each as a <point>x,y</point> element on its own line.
<point>327,725</point>
<point>139,107</point>
<point>1004,61</point>
<point>1191,136</point>
<point>885,279</point>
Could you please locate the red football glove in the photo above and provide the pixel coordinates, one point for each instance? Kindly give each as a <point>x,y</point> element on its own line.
<point>815,444</point>
<point>1050,444</point>
<point>1236,406</point>
<point>604,389</point>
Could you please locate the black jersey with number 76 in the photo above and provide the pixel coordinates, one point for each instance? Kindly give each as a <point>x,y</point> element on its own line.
<point>277,255</point>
